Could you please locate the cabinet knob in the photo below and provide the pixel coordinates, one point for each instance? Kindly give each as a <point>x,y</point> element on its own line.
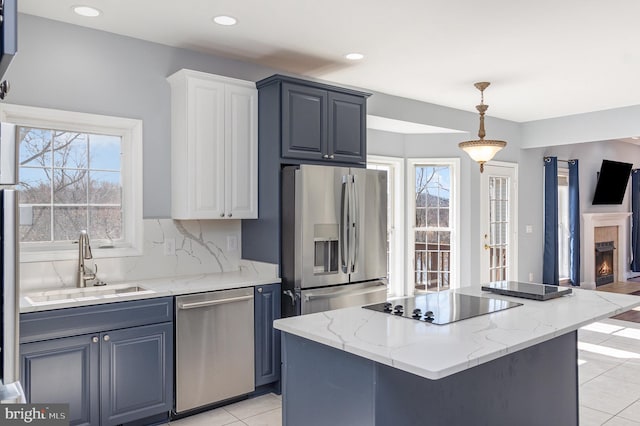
<point>229,215</point>
<point>332,156</point>
<point>325,156</point>
<point>106,338</point>
<point>95,339</point>
<point>259,289</point>
<point>221,214</point>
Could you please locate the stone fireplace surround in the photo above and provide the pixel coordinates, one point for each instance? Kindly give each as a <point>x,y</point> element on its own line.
<point>590,221</point>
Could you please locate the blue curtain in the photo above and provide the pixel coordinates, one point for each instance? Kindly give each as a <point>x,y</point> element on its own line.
<point>574,223</point>
<point>635,220</point>
<point>550,267</point>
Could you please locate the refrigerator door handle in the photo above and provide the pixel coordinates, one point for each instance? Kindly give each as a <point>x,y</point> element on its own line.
<point>355,243</point>
<point>344,225</point>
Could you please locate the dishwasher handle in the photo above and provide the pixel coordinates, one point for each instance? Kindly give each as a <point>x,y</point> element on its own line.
<point>205,303</point>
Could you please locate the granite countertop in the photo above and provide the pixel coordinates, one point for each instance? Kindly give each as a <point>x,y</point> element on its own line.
<point>436,351</point>
<point>160,287</point>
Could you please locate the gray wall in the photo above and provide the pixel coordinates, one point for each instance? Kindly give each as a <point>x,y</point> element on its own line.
<point>590,156</point>
<point>530,190</point>
<point>446,146</point>
<point>69,67</point>
<point>596,126</point>
<point>74,68</point>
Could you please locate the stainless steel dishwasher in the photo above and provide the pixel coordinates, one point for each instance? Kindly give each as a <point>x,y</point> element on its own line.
<point>214,347</point>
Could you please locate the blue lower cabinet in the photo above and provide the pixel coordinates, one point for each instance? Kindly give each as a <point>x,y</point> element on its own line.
<point>64,371</point>
<point>267,339</point>
<point>136,372</point>
<point>108,376</point>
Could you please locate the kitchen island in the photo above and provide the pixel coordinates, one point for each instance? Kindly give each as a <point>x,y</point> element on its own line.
<point>519,366</point>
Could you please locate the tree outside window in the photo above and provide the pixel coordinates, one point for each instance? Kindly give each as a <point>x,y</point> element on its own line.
<point>69,181</point>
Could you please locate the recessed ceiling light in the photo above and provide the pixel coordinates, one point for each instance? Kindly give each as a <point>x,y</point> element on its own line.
<point>225,20</point>
<point>354,56</point>
<point>88,11</point>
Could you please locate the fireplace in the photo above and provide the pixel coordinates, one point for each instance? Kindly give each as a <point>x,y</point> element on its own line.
<point>594,230</point>
<point>604,262</point>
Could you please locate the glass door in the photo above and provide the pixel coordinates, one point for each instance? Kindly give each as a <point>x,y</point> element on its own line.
<point>498,216</point>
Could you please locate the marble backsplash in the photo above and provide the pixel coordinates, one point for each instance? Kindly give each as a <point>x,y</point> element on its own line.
<point>200,247</point>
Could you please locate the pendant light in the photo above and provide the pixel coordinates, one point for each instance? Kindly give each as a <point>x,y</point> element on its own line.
<point>482,150</point>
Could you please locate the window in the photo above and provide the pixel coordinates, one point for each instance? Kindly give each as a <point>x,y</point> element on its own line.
<point>69,181</point>
<point>395,224</point>
<point>433,237</point>
<point>77,171</point>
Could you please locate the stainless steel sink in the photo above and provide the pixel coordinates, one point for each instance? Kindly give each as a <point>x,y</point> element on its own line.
<point>87,293</point>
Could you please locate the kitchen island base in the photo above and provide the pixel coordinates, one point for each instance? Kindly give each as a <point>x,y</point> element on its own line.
<point>323,385</point>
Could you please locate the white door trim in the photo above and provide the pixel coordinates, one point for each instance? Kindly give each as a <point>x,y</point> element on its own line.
<point>396,223</point>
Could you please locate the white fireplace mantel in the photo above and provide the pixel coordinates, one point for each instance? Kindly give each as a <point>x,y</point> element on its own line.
<point>590,221</point>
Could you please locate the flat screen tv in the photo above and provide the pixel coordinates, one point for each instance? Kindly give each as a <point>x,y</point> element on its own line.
<point>612,182</point>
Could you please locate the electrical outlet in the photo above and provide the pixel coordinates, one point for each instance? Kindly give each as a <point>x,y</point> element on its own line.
<point>530,277</point>
<point>232,243</point>
<point>528,229</point>
<point>170,247</point>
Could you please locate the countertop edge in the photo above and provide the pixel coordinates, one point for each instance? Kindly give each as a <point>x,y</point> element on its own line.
<point>163,287</point>
<point>322,330</point>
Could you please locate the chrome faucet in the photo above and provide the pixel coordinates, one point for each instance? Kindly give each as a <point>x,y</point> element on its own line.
<point>84,253</point>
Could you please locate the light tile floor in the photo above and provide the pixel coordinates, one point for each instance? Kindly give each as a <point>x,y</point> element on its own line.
<point>609,375</point>
<point>264,410</point>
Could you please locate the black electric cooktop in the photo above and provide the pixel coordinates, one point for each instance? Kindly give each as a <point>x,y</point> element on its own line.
<point>527,290</point>
<point>442,308</point>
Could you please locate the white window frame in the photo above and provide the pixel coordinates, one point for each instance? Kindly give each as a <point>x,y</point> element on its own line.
<point>395,221</point>
<point>454,163</point>
<point>130,132</point>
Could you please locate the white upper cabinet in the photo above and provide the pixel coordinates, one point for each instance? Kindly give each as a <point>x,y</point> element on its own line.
<point>214,147</point>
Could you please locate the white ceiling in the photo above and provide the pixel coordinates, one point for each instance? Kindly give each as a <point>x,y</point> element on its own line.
<point>545,58</point>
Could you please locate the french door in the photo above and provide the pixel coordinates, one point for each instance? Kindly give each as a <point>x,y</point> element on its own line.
<point>498,222</point>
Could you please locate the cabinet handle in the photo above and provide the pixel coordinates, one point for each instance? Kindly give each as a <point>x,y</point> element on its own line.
<point>259,289</point>
<point>95,339</point>
<point>331,156</point>
<point>221,214</point>
<point>206,303</point>
<point>106,338</point>
<point>325,156</point>
<point>229,215</point>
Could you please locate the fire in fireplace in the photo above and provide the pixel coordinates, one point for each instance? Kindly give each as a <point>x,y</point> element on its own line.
<point>604,262</point>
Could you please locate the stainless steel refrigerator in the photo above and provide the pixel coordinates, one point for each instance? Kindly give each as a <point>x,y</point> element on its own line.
<point>9,255</point>
<point>9,369</point>
<point>334,238</point>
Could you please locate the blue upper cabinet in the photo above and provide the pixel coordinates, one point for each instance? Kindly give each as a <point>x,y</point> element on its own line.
<point>347,127</point>
<point>8,38</point>
<point>318,123</point>
<point>304,122</point>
